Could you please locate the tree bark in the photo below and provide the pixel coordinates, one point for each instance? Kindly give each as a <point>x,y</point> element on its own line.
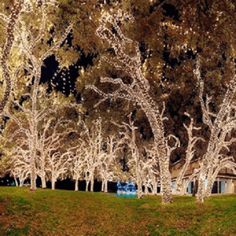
<point>21,182</point>
<point>201,183</point>
<point>139,188</point>
<point>102,187</point>
<point>106,186</point>
<point>43,181</point>
<point>16,182</point>
<point>76,184</point>
<point>156,124</point>
<point>15,13</point>
<point>33,175</point>
<point>53,184</point>
<point>87,185</point>
<point>92,184</point>
<point>145,189</point>
<point>154,190</point>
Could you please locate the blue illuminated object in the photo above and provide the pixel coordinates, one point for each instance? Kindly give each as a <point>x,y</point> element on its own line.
<point>127,190</point>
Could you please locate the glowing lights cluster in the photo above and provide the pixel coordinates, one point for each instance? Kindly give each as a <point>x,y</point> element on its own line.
<point>221,126</point>
<point>61,80</point>
<point>137,91</point>
<point>10,36</point>
<point>182,181</point>
<point>28,42</point>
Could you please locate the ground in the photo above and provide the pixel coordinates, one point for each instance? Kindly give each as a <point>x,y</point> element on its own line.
<point>59,212</point>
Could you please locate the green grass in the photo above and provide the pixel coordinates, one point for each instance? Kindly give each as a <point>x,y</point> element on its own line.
<point>59,212</point>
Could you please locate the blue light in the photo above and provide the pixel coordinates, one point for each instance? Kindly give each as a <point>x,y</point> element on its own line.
<point>126,190</point>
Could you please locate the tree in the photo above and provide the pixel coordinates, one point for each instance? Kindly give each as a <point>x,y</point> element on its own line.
<point>93,151</point>
<point>181,182</point>
<point>50,131</point>
<point>52,136</point>
<point>33,59</point>
<point>150,169</point>
<point>58,163</point>
<point>107,162</point>
<point>78,164</point>
<point>20,165</point>
<point>142,168</point>
<point>221,126</point>
<point>134,163</point>
<point>136,91</point>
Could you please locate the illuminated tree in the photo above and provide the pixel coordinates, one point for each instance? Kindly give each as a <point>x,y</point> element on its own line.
<point>221,126</point>
<point>136,91</point>
<point>142,169</point>
<point>181,182</point>
<point>11,23</point>
<point>33,56</point>
<point>78,164</point>
<point>58,163</point>
<point>93,151</point>
<point>107,163</point>
<point>151,175</point>
<point>52,136</point>
<point>20,167</point>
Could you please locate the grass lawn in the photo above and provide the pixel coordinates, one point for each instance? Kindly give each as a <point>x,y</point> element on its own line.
<point>59,212</point>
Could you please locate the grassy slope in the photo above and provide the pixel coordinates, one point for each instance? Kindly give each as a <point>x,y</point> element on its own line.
<point>47,212</point>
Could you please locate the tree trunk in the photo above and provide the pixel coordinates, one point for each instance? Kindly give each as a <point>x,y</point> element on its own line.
<point>6,50</point>
<point>201,191</point>
<point>182,189</point>
<point>16,182</point>
<point>139,188</point>
<point>21,182</point>
<point>43,182</point>
<point>53,184</point>
<point>106,186</point>
<point>201,184</point>
<point>145,189</point>
<point>92,184</point>
<point>33,175</point>
<point>209,187</point>
<point>102,187</point>
<point>155,120</point>
<point>154,189</point>
<point>87,185</point>
<point>76,184</point>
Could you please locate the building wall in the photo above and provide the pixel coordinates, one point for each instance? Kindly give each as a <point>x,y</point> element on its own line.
<point>221,186</point>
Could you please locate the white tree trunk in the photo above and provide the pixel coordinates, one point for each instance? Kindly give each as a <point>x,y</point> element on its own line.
<point>139,188</point>
<point>76,184</point>
<point>33,175</point>
<point>201,184</point>
<point>156,124</point>
<point>92,184</point>
<point>87,185</point>
<point>53,183</point>
<point>43,182</point>
<point>16,182</point>
<point>102,187</point>
<point>145,189</point>
<point>154,189</point>
<point>106,186</point>
<point>21,182</point>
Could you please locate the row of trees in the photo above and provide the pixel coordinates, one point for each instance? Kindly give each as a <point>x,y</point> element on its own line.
<point>221,124</point>
<point>91,157</point>
<point>37,139</point>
